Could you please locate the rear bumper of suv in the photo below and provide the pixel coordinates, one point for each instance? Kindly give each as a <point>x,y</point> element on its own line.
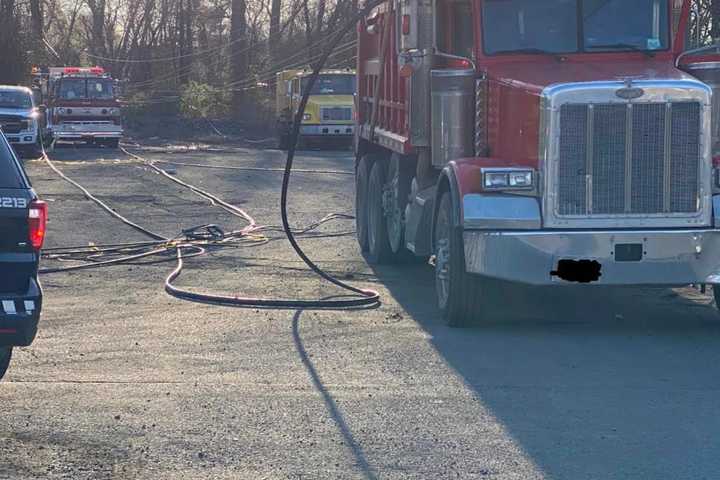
<point>19,316</point>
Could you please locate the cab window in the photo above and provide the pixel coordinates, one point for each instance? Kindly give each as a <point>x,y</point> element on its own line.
<point>100,89</point>
<point>72,88</point>
<point>455,28</point>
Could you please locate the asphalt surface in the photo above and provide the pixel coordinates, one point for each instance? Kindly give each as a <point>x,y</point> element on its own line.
<point>126,382</point>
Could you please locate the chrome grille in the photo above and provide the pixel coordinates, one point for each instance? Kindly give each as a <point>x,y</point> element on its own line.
<point>684,154</point>
<point>13,124</point>
<point>607,166</point>
<point>629,159</point>
<point>648,151</point>
<point>337,113</point>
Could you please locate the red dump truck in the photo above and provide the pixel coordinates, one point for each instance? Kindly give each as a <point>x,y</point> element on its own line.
<point>549,142</point>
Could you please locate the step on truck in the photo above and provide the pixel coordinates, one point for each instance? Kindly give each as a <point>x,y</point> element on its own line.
<point>82,104</point>
<point>329,113</point>
<point>23,219</point>
<point>552,142</point>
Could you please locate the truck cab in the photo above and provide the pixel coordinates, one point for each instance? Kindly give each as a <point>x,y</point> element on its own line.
<point>329,112</point>
<point>546,143</point>
<point>21,120</point>
<point>82,104</point>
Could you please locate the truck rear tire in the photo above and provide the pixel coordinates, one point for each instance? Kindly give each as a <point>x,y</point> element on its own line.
<point>379,250</point>
<point>462,297</point>
<point>362,176</point>
<point>399,177</point>
<point>5,356</point>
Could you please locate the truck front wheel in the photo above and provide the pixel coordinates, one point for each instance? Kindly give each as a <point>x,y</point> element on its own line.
<point>462,297</point>
<point>5,355</point>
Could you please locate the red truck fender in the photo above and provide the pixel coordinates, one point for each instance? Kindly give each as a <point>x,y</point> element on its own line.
<point>460,178</point>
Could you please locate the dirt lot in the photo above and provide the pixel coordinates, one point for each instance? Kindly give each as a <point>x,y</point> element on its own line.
<point>126,382</point>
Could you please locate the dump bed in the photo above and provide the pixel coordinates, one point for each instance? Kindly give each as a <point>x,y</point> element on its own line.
<point>377,44</point>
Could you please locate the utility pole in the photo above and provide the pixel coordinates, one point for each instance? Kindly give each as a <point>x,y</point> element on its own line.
<point>238,58</point>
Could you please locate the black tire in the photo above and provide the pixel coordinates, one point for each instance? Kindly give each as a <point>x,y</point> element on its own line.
<point>399,177</point>
<point>36,150</point>
<point>362,177</point>
<point>283,134</point>
<point>5,356</point>
<point>379,251</point>
<point>462,297</point>
<point>302,143</point>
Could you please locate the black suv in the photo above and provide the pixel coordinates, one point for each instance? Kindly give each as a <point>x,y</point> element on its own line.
<point>23,219</point>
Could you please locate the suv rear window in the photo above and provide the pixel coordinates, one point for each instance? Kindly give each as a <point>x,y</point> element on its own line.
<point>10,176</point>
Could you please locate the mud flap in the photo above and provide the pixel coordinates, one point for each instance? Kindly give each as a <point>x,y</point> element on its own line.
<point>419,218</point>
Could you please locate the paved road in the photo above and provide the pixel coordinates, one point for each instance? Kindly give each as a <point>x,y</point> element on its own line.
<point>126,382</point>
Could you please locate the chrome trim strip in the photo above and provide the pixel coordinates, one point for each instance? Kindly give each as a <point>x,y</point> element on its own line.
<point>667,171</point>
<point>589,160</point>
<point>628,157</point>
<point>702,66</point>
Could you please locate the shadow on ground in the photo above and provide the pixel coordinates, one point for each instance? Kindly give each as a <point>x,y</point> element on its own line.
<point>590,382</point>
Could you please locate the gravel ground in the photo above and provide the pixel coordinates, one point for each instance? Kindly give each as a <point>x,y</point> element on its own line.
<point>126,382</point>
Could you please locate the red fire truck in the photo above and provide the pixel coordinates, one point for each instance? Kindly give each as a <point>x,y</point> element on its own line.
<point>549,142</point>
<point>81,104</point>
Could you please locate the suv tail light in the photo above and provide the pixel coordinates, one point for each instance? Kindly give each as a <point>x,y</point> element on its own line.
<point>37,221</point>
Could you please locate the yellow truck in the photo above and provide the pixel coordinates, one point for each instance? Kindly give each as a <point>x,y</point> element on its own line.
<point>329,114</point>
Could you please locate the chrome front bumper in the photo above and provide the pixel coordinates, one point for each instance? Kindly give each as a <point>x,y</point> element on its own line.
<point>90,130</point>
<point>343,130</point>
<point>504,239</point>
<point>667,257</point>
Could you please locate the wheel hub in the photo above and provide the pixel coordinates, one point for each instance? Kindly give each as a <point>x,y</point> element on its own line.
<point>394,215</point>
<point>442,267</point>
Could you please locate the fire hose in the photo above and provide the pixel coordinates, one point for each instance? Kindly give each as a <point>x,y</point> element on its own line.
<point>360,297</point>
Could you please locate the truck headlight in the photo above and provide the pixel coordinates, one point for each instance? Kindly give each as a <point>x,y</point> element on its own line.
<point>307,116</point>
<point>508,179</point>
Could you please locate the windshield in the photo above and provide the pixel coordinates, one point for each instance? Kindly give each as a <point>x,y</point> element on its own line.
<point>15,99</point>
<point>569,26</point>
<point>81,88</point>
<point>100,89</point>
<point>331,85</point>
